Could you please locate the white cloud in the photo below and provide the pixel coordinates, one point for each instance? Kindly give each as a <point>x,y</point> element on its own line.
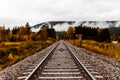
<point>18,12</point>
<point>62,27</point>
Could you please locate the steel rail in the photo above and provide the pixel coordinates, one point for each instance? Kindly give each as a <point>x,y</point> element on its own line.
<point>80,63</point>
<point>43,60</point>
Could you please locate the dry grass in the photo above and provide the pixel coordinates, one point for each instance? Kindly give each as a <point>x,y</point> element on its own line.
<point>109,49</point>
<point>12,52</point>
<point>12,43</point>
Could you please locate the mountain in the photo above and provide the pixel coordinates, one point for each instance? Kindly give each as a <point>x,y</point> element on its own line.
<point>113,26</point>
<point>53,23</point>
<point>101,24</point>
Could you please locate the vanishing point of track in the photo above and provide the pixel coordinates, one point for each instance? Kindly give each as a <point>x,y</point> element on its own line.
<point>61,63</point>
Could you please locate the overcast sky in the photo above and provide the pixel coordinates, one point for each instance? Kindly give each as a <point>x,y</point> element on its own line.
<point>18,12</point>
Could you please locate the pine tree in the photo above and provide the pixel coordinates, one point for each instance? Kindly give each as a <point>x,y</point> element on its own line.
<point>27,26</point>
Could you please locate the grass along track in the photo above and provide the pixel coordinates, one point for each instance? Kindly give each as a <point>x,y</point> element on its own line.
<point>12,52</point>
<point>108,49</point>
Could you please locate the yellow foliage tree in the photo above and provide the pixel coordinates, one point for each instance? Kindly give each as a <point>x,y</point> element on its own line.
<point>70,33</point>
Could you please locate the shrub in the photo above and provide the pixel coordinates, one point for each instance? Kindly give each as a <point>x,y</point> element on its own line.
<point>14,50</point>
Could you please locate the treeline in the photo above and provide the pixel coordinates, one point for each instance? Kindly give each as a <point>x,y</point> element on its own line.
<point>88,33</point>
<point>24,33</point>
<point>47,32</point>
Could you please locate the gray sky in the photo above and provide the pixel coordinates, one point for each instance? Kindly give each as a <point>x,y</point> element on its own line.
<point>18,12</point>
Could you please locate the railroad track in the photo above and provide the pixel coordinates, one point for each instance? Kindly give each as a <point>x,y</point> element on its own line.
<point>61,63</point>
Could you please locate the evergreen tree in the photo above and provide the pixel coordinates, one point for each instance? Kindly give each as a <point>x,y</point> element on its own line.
<point>27,26</point>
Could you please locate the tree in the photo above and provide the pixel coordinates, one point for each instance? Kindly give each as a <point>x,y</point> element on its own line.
<point>1,33</point>
<point>44,33</point>
<point>15,30</point>
<point>51,33</point>
<point>22,31</point>
<point>27,26</point>
<point>106,35</point>
<point>70,33</point>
